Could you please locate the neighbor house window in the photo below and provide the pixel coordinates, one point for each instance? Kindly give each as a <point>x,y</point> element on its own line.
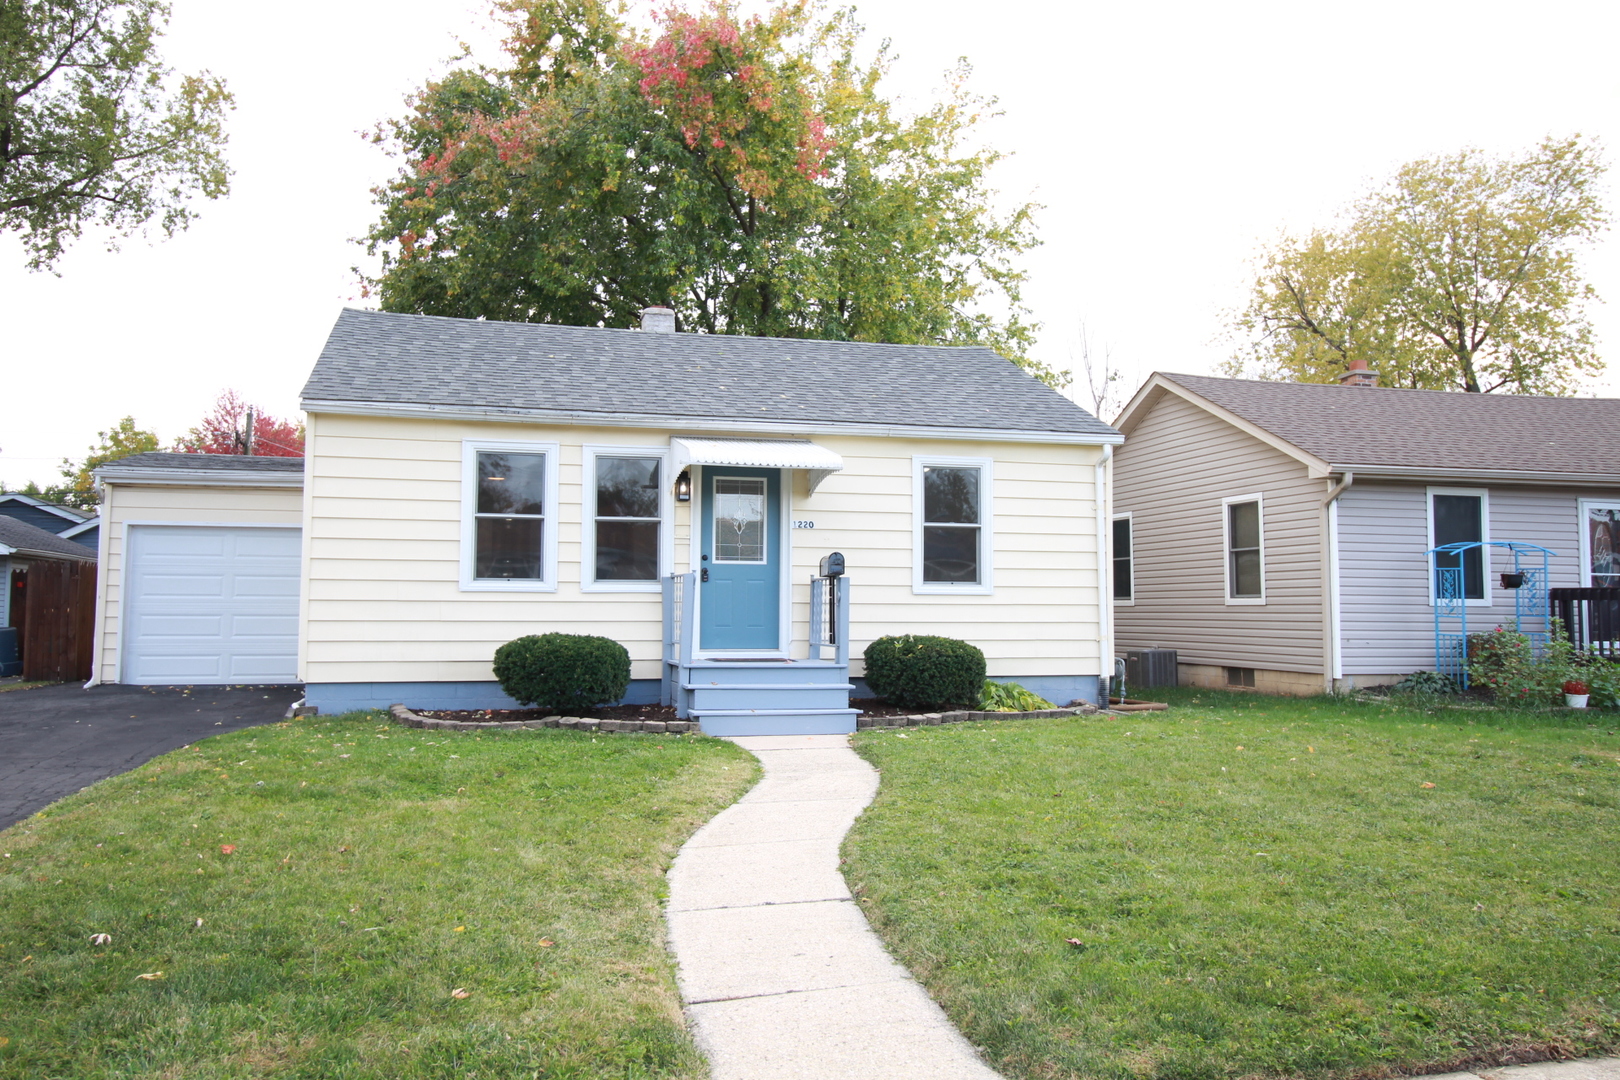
<point>509,495</point>
<point>626,507</point>
<point>1600,544</point>
<point>1458,516</point>
<point>1124,581</point>
<point>1245,550</point>
<point>951,522</point>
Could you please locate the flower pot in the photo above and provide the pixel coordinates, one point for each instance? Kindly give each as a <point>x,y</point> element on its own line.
<point>1576,701</point>
<point>1512,581</point>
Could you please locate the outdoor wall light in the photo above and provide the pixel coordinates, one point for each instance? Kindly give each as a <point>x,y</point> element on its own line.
<point>683,486</point>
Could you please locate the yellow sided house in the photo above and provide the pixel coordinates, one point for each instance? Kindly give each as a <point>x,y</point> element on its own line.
<point>744,515</point>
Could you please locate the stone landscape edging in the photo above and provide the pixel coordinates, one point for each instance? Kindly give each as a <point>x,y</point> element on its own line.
<point>686,727</point>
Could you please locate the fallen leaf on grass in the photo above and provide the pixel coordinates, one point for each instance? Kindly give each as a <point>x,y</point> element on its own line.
<point>458,929</point>
<point>227,849</point>
<point>151,976</point>
<point>101,939</point>
<point>458,992</point>
<point>1076,942</point>
<point>546,943</point>
<point>1427,784</point>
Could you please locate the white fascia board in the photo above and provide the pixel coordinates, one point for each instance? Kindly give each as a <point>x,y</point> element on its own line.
<point>668,423</point>
<point>1157,385</point>
<point>87,523</point>
<point>200,477</point>
<point>1465,475</point>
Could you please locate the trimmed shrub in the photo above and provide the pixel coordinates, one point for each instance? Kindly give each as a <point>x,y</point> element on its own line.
<point>563,671</point>
<point>919,671</point>
<point>1010,697</point>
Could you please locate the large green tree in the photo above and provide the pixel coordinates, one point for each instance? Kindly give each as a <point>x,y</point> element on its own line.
<point>1459,274</point>
<point>93,127</point>
<point>746,172</point>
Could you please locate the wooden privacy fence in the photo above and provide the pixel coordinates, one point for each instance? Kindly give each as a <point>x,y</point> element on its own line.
<point>59,621</point>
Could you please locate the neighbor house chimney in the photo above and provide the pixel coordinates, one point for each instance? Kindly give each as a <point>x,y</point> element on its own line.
<point>658,320</point>
<point>1358,375</point>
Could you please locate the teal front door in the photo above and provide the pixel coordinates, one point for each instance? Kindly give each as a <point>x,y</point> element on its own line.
<point>740,559</point>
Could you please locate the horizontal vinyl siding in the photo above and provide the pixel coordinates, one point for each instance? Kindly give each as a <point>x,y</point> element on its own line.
<point>1386,619</point>
<point>202,505</point>
<point>384,603</point>
<point>1176,467</point>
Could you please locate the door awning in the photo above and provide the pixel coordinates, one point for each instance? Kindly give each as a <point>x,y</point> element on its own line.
<point>819,461</point>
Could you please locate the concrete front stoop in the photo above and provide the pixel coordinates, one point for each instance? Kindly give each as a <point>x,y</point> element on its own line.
<point>781,975</point>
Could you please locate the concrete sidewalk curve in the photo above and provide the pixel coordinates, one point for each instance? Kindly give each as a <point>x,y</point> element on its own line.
<point>781,975</point>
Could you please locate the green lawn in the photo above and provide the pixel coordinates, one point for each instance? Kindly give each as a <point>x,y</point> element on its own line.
<point>397,904</point>
<point>1255,886</point>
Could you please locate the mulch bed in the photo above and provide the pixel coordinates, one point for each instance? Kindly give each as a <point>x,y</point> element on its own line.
<point>503,716</point>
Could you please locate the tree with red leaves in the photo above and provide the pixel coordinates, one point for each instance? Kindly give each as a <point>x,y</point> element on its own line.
<point>744,171</point>
<point>226,431</point>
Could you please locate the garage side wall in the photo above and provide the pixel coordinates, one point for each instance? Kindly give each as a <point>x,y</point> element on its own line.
<point>128,504</point>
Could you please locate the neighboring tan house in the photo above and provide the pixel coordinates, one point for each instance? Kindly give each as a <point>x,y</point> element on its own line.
<point>1274,534</point>
<point>469,482</point>
<point>80,526</point>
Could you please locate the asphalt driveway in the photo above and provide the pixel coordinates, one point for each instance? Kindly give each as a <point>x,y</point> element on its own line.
<point>55,740</point>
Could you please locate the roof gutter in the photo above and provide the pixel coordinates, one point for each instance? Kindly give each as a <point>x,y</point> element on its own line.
<point>42,553</point>
<point>200,477</point>
<point>1527,476</point>
<point>730,425</point>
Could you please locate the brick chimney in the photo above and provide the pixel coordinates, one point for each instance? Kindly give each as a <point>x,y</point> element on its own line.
<point>1358,374</point>
<point>658,320</point>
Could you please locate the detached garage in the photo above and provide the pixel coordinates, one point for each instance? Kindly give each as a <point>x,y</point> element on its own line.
<point>201,558</point>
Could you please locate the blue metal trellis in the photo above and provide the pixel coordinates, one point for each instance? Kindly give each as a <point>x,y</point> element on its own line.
<point>1530,611</point>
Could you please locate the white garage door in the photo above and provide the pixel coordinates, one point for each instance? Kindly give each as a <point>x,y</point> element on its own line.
<point>205,604</point>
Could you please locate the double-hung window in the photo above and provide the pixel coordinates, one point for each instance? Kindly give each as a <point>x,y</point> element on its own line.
<point>1124,580</point>
<point>1456,516</point>
<point>1242,523</point>
<point>951,525</point>
<point>508,516</point>
<point>626,507</point>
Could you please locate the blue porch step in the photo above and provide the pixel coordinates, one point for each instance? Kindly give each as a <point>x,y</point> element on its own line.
<point>771,697</point>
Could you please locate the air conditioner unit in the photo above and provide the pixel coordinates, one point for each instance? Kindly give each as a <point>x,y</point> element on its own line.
<point>1150,667</point>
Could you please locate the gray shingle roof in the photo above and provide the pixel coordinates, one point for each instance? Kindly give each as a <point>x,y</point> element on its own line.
<point>31,538</point>
<point>162,459</point>
<point>375,357</point>
<point>1427,429</point>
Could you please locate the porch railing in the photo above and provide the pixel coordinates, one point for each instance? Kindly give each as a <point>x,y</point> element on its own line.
<point>829,617</point>
<point>1591,618</point>
<point>679,633</point>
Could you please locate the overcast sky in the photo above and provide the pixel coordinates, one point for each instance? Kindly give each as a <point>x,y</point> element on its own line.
<point>1166,142</point>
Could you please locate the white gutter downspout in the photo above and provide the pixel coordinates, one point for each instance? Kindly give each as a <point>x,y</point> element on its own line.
<point>1105,566</point>
<point>1335,636</point>
<point>103,543</point>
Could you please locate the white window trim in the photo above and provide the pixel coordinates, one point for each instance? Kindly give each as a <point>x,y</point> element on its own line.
<point>1484,497</point>
<point>985,586</point>
<point>1226,550</point>
<point>469,509</point>
<point>1112,555</point>
<point>666,520</point>
<point>1583,509</point>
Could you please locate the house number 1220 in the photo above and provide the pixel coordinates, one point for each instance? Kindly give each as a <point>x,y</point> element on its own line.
<point>804,524</point>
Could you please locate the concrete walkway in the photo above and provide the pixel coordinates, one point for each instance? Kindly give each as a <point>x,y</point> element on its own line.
<point>782,977</point>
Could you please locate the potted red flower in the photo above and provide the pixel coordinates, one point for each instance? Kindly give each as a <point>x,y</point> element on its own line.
<point>1576,693</point>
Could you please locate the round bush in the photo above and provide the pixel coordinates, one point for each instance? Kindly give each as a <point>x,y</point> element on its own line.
<point>919,671</point>
<point>563,671</point>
